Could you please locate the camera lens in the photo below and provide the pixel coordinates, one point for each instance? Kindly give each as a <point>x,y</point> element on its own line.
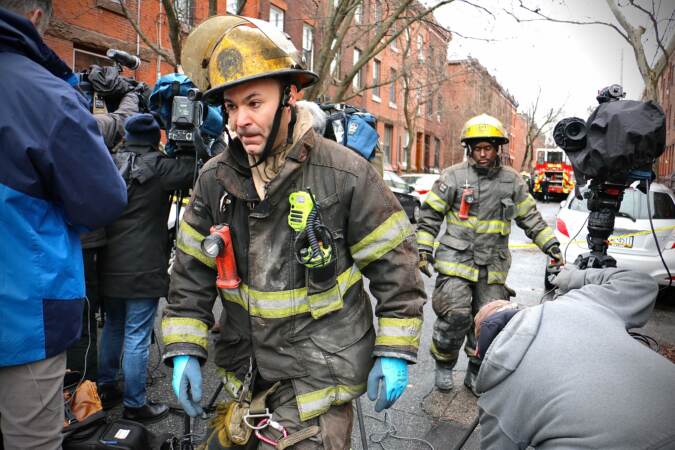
<point>570,134</point>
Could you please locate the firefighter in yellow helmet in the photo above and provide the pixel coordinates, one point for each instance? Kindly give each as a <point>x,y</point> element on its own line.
<point>478,199</point>
<point>308,220</point>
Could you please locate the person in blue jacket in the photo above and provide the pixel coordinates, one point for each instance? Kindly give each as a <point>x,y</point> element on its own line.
<point>56,180</point>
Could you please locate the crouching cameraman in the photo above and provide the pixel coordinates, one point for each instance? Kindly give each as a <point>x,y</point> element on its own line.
<point>133,265</point>
<point>566,374</point>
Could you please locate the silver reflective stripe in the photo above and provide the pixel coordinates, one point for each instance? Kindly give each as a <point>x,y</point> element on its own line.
<point>189,241</point>
<point>313,404</point>
<point>425,238</point>
<point>382,239</point>
<point>280,304</point>
<point>436,202</point>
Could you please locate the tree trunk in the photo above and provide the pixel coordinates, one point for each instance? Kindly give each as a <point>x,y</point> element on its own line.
<point>174,29</point>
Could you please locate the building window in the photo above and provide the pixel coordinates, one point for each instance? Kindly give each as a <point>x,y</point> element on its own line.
<point>403,154</point>
<point>376,79</point>
<point>392,87</point>
<point>232,6</point>
<point>378,15</point>
<point>418,100</point>
<point>394,42</point>
<point>431,54</point>
<point>335,63</point>
<point>420,48</point>
<point>277,17</point>
<point>308,46</point>
<point>83,59</point>
<point>437,153</point>
<point>439,107</point>
<point>388,138</point>
<point>358,14</point>
<point>356,82</point>
<point>183,11</point>
<point>430,107</point>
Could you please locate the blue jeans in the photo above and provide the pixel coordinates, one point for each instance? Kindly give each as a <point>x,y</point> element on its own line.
<point>128,326</point>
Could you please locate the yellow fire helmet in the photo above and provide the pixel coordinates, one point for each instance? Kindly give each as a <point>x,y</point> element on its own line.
<point>484,127</point>
<point>225,51</point>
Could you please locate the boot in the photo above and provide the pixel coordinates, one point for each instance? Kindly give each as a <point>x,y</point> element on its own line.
<point>470,377</point>
<point>148,413</point>
<point>110,395</point>
<point>444,377</point>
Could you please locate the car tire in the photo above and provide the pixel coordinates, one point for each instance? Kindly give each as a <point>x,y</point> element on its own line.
<point>416,213</point>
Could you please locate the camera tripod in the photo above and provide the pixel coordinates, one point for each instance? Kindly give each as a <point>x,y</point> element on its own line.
<point>604,201</point>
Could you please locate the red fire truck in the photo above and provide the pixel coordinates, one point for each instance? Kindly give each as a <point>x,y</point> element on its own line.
<point>553,174</point>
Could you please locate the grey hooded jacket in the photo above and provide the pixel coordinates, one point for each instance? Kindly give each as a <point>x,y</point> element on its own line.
<point>567,375</point>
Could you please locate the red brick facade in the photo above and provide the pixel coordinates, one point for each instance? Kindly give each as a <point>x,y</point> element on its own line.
<point>440,96</point>
<point>473,91</point>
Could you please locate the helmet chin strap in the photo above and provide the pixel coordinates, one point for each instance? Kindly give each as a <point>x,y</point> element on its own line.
<point>237,146</point>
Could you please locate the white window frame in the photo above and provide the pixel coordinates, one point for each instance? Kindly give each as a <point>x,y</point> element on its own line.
<point>335,62</point>
<point>308,45</point>
<point>356,81</point>
<point>358,14</point>
<point>275,14</point>
<point>377,69</point>
<point>232,6</point>
<point>393,74</point>
<point>420,48</point>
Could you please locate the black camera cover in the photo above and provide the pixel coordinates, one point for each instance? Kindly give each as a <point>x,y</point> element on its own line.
<point>622,136</point>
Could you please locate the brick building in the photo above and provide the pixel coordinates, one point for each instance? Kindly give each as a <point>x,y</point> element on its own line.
<point>518,141</point>
<point>471,90</point>
<point>82,30</point>
<point>666,95</point>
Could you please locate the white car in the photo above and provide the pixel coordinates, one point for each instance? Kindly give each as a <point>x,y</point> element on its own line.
<point>632,244</point>
<point>422,182</point>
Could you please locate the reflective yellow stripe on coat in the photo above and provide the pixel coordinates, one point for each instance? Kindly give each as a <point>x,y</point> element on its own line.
<point>425,238</point>
<point>494,226</point>
<point>382,239</point>
<point>436,203</point>
<point>454,269</point>
<point>399,332</point>
<point>281,304</point>
<point>189,241</point>
<point>543,237</point>
<point>313,404</point>
<point>185,330</point>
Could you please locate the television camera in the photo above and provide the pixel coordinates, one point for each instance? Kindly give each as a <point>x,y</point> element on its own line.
<point>612,150</point>
<point>104,86</point>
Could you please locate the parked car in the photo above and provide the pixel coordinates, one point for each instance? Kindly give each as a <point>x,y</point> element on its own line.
<point>405,195</point>
<point>422,182</point>
<point>632,244</point>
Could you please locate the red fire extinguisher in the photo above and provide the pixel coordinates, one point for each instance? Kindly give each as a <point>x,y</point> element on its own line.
<point>467,200</point>
<point>218,245</point>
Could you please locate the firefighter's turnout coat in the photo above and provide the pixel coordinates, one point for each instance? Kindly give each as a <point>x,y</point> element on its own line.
<point>312,327</point>
<point>482,240</point>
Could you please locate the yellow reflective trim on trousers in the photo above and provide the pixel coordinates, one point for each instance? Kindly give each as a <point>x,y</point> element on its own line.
<point>496,277</point>
<point>436,203</point>
<point>440,356</point>
<point>382,239</point>
<point>425,238</point>
<point>456,270</point>
<point>178,330</point>
<point>523,207</point>
<point>494,226</point>
<point>189,241</point>
<point>398,332</point>
<point>281,304</point>
<point>543,237</point>
<point>313,404</point>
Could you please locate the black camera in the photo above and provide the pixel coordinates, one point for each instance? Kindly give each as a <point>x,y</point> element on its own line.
<point>104,86</point>
<point>614,148</point>
<point>186,118</point>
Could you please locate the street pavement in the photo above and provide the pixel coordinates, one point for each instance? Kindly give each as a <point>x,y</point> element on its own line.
<point>423,418</point>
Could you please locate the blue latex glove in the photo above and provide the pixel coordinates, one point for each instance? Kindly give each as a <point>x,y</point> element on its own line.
<point>393,373</point>
<point>187,372</point>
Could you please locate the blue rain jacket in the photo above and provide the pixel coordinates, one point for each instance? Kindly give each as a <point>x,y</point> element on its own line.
<point>56,179</point>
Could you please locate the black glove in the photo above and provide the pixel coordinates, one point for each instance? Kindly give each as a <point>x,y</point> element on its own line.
<point>555,253</point>
<point>426,262</point>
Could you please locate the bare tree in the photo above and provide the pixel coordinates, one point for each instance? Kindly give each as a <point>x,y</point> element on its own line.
<point>537,131</point>
<point>341,30</point>
<point>634,35</point>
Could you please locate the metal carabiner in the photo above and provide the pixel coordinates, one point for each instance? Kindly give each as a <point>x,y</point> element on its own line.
<point>267,415</point>
<point>264,423</point>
